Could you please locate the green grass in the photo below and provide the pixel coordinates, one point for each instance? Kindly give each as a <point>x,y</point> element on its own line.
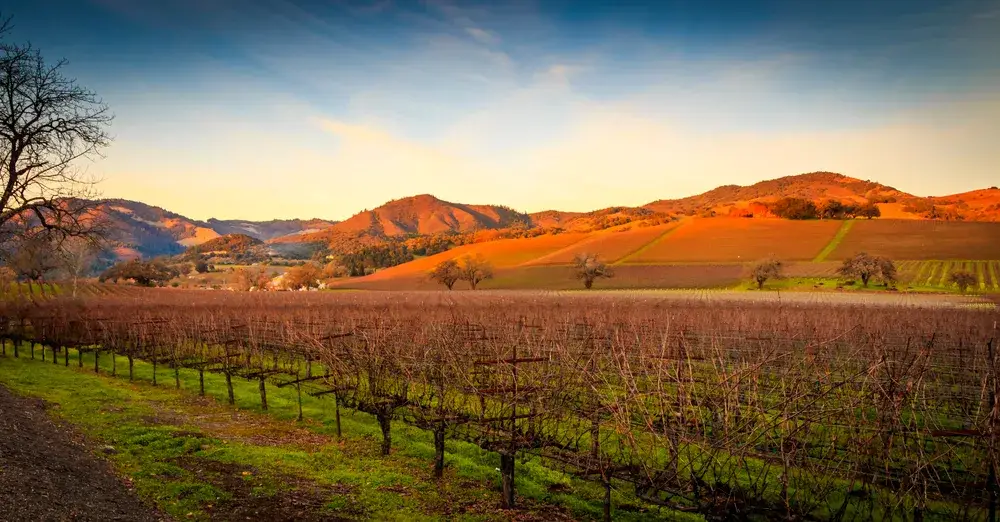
<point>835,242</point>
<point>151,428</point>
<point>821,284</point>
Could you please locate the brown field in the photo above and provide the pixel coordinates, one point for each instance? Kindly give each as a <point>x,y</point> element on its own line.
<point>822,269</point>
<point>561,277</point>
<point>910,239</point>
<point>502,253</point>
<point>610,246</point>
<point>739,240</point>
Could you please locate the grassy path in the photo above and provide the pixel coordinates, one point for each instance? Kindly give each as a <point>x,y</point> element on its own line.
<point>198,458</point>
<point>835,242</point>
<point>651,244</point>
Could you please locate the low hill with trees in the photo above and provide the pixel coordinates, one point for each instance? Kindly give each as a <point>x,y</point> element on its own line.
<point>233,248</point>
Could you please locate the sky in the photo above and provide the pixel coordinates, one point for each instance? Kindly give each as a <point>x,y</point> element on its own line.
<point>263,109</point>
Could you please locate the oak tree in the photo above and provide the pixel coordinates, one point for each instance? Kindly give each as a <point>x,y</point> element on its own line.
<point>764,270</point>
<point>589,268</point>
<point>447,273</point>
<point>475,270</point>
<point>868,267</point>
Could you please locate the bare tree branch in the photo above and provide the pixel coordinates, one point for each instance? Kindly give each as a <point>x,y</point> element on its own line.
<point>48,124</point>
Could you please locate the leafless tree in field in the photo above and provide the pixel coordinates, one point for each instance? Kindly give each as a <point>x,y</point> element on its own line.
<point>867,267</point>
<point>77,255</point>
<point>764,270</point>
<point>475,270</point>
<point>589,268</point>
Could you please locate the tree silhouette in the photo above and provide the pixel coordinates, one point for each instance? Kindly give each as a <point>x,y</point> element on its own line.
<point>47,124</point>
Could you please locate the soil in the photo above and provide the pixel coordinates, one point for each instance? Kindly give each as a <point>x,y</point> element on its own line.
<point>49,472</point>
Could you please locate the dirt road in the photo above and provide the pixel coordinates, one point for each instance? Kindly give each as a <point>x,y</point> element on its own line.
<point>47,471</point>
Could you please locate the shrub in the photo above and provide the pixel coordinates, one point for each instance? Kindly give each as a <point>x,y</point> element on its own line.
<point>963,279</point>
<point>765,269</point>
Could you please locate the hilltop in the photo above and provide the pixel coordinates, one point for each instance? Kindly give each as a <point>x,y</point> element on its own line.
<point>426,214</point>
<point>236,248</point>
<point>978,205</point>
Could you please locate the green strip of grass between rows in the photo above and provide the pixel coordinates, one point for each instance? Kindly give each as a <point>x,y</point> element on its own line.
<point>835,242</point>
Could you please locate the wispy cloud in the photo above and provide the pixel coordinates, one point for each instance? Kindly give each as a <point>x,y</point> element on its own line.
<point>482,35</point>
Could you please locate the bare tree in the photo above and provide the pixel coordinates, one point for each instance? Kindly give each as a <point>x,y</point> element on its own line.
<point>77,256</point>
<point>963,278</point>
<point>476,269</point>
<point>48,124</point>
<point>866,267</point>
<point>765,269</point>
<point>31,256</point>
<point>447,273</point>
<point>590,268</point>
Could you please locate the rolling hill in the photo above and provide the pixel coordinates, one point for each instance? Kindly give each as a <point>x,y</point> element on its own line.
<point>426,214</point>
<point>700,252</point>
<point>145,230</point>
<point>978,205</point>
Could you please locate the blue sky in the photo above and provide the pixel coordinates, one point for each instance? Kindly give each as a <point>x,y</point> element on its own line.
<point>281,108</point>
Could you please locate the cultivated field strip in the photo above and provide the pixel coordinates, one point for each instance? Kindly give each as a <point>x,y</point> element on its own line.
<point>724,409</point>
<point>936,273</point>
<point>921,239</point>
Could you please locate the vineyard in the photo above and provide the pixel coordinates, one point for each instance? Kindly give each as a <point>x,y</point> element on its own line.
<point>720,409</point>
<point>739,239</point>
<point>915,239</point>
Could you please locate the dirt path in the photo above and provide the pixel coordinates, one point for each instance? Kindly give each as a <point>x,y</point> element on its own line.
<point>47,472</point>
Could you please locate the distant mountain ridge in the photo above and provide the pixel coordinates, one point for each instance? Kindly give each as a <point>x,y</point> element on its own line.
<point>146,230</point>
<point>266,230</point>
